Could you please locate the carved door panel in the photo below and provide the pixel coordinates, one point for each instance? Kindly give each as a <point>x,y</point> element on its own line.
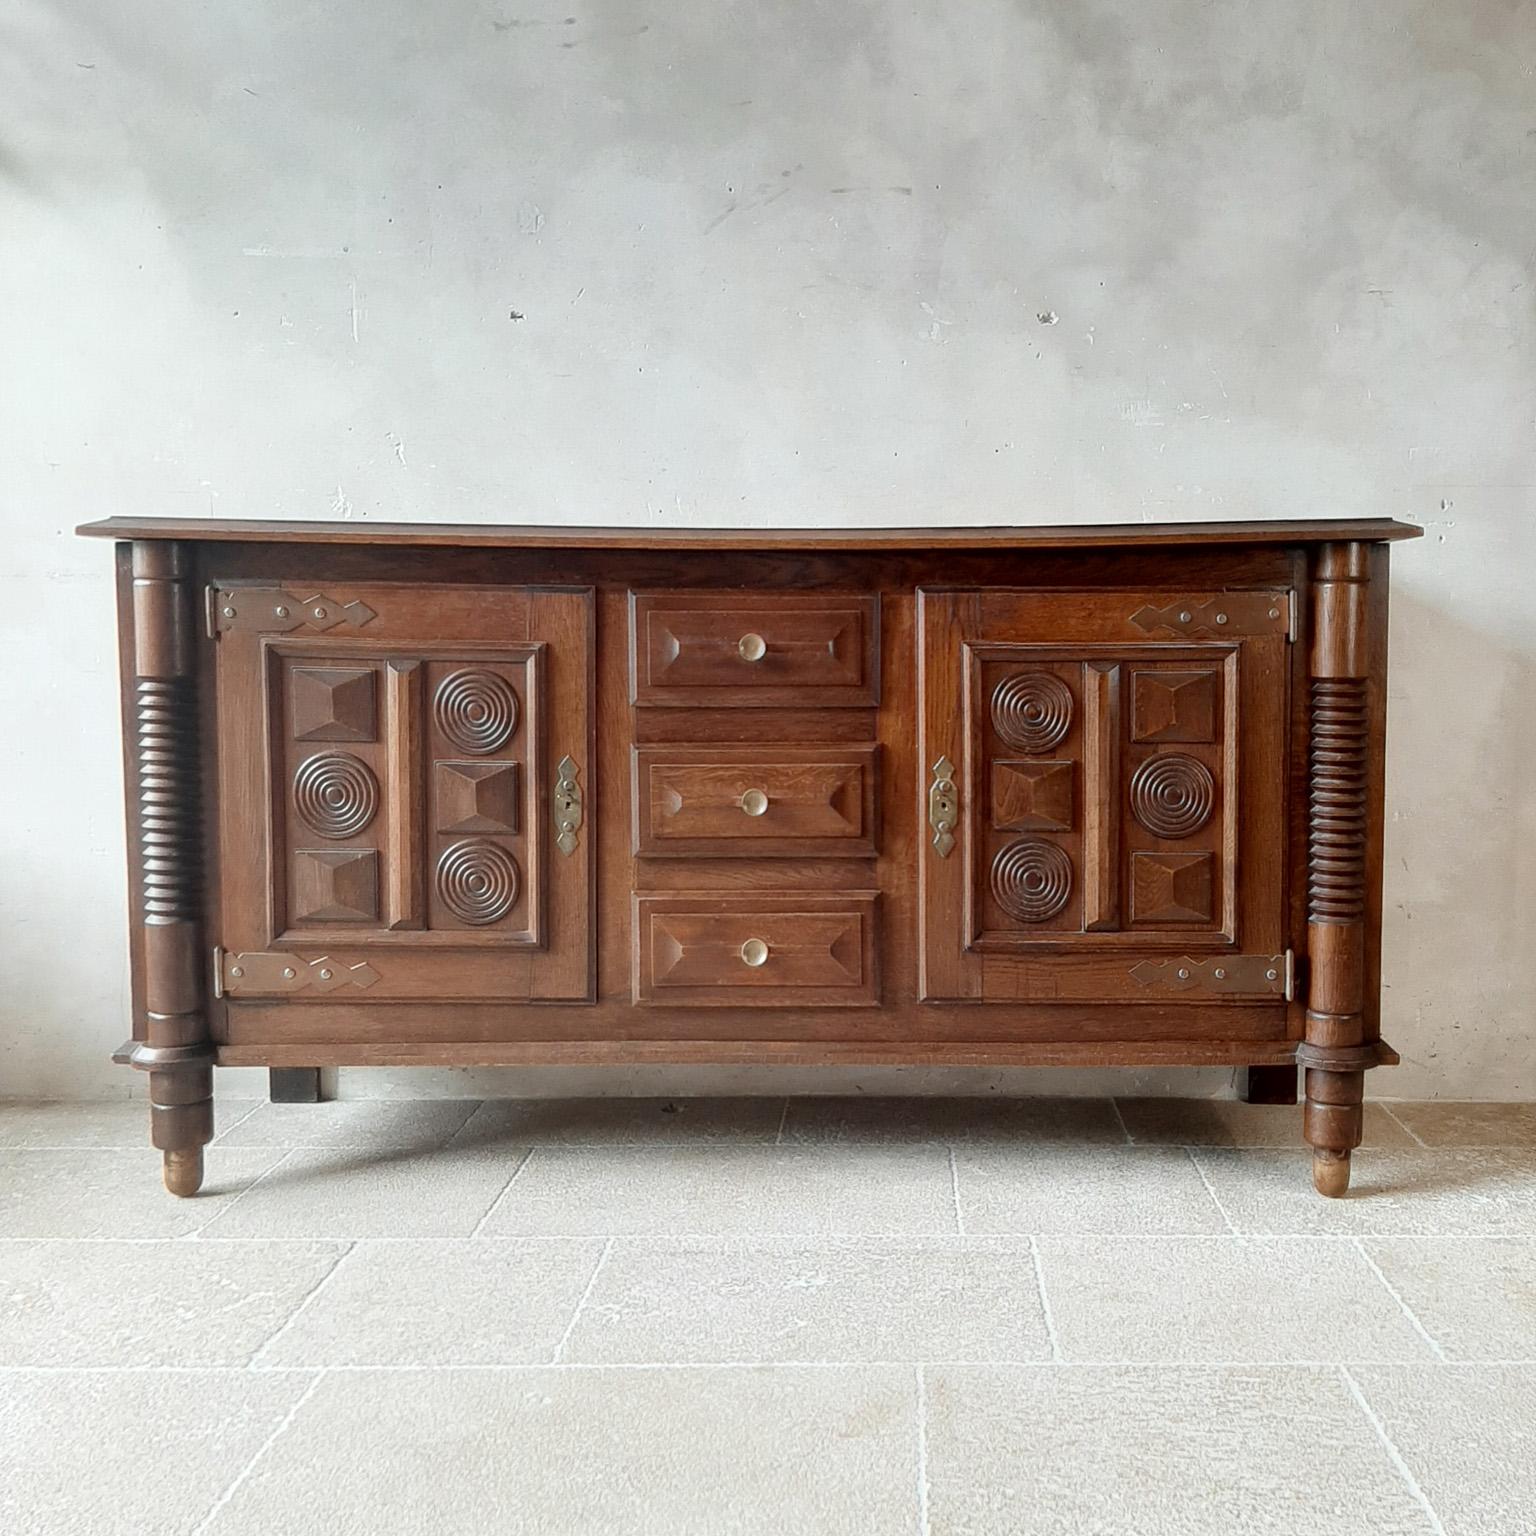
<point>1103,795</point>
<point>400,803</point>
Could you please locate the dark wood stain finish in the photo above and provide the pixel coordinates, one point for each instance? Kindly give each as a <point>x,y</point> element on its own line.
<point>487,795</point>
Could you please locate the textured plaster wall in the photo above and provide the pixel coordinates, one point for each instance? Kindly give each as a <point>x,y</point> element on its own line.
<point>775,261</point>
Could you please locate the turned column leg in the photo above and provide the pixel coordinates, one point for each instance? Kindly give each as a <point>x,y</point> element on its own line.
<point>1338,1046</point>
<point>171,1041</point>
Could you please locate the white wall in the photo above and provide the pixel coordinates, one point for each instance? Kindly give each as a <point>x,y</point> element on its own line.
<point>778,262</point>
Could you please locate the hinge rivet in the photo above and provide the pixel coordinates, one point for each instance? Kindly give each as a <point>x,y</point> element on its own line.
<point>280,611</point>
<point>1221,975</point>
<point>1274,613</point>
<point>1184,618</point>
<point>1272,975</point>
<point>229,613</point>
<point>1183,974</point>
<point>325,975</point>
<point>319,613</point>
<point>237,970</point>
<point>289,973</point>
<point>1221,618</point>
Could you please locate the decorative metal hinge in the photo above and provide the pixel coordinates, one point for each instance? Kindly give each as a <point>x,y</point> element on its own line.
<point>567,806</point>
<point>1253,974</point>
<point>274,971</point>
<point>1234,613</point>
<point>943,807</point>
<point>270,610</point>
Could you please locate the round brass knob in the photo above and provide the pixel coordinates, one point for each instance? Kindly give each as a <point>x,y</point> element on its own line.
<point>755,953</point>
<point>752,647</point>
<point>754,802</point>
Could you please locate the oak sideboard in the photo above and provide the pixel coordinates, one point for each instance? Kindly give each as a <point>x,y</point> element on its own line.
<point>480,795</point>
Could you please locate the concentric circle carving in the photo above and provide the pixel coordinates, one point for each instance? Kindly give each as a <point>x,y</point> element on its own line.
<point>336,794</point>
<point>1172,795</point>
<point>1032,879</point>
<point>476,710</point>
<point>478,881</point>
<point>1032,710</point>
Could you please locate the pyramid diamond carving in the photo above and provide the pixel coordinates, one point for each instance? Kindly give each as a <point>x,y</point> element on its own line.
<point>476,797</point>
<point>1172,887</point>
<point>1032,796</point>
<point>1174,706</point>
<point>334,704</point>
<point>336,885</point>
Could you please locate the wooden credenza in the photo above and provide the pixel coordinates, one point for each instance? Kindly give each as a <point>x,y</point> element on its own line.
<point>490,795</point>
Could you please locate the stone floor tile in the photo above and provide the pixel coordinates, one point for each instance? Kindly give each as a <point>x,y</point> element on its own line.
<point>380,1123</point>
<point>101,1193</point>
<point>1476,1296</point>
<point>723,1189</point>
<point>1221,1299</point>
<point>442,1302</point>
<point>757,1452</point>
<point>1230,1123</point>
<point>1079,1121</point>
<point>1467,1434</point>
<point>1063,1188</point>
<point>129,1453</point>
<point>1122,1451</point>
<point>602,1121</point>
<point>1446,1192</point>
<point>702,1300</point>
<point>1470,1125</point>
<point>140,1304</point>
<point>346,1193</point>
<point>94,1123</point>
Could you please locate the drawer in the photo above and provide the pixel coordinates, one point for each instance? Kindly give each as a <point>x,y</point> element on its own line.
<point>755,802</point>
<point>718,949</point>
<point>754,650</point>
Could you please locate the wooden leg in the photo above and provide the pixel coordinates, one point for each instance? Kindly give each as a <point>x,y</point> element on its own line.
<point>171,1042</point>
<point>1268,1085</point>
<point>1333,1123</point>
<point>293,1085</point>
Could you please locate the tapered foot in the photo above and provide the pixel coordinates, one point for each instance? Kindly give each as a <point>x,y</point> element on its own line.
<point>184,1172</point>
<point>1330,1173</point>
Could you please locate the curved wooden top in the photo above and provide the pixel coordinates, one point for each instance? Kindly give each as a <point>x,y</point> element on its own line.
<point>870,540</point>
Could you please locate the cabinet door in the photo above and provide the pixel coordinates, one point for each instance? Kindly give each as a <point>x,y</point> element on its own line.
<point>404,793</point>
<point>1103,795</point>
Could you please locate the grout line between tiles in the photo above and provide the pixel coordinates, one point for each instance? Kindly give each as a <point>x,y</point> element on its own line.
<point>202,1227</point>
<point>954,1189</point>
<point>1045,1299</point>
<point>922,1453</point>
<point>468,1120</point>
<point>255,1104</point>
<point>502,1193</point>
<point>1396,1296</point>
<point>1210,1189</point>
<point>293,1316</point>
<point>265,1446</point>
<point>1114,1104</point>
<point>570,1327</point>
<point>778,1139</point>
<point>1413,1134</point>
<point>1181,1363</point>
<point>1403,1469</point>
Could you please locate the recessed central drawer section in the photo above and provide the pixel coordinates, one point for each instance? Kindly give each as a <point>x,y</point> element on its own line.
<point>755,802</point>
<point>754,650</point>
<point>757,951</point>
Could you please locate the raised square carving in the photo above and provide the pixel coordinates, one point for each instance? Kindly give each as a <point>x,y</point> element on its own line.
<point>476,797</point>
<point>334,704</point>
<point>336,885</point>
<point>1032,796</point>
<point>1172,887</point>
<point>1173,706</point>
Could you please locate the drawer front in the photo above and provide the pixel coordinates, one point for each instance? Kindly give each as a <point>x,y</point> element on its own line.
<point>715,949</point>
<point>760,650</point>
<point>755,802</point>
